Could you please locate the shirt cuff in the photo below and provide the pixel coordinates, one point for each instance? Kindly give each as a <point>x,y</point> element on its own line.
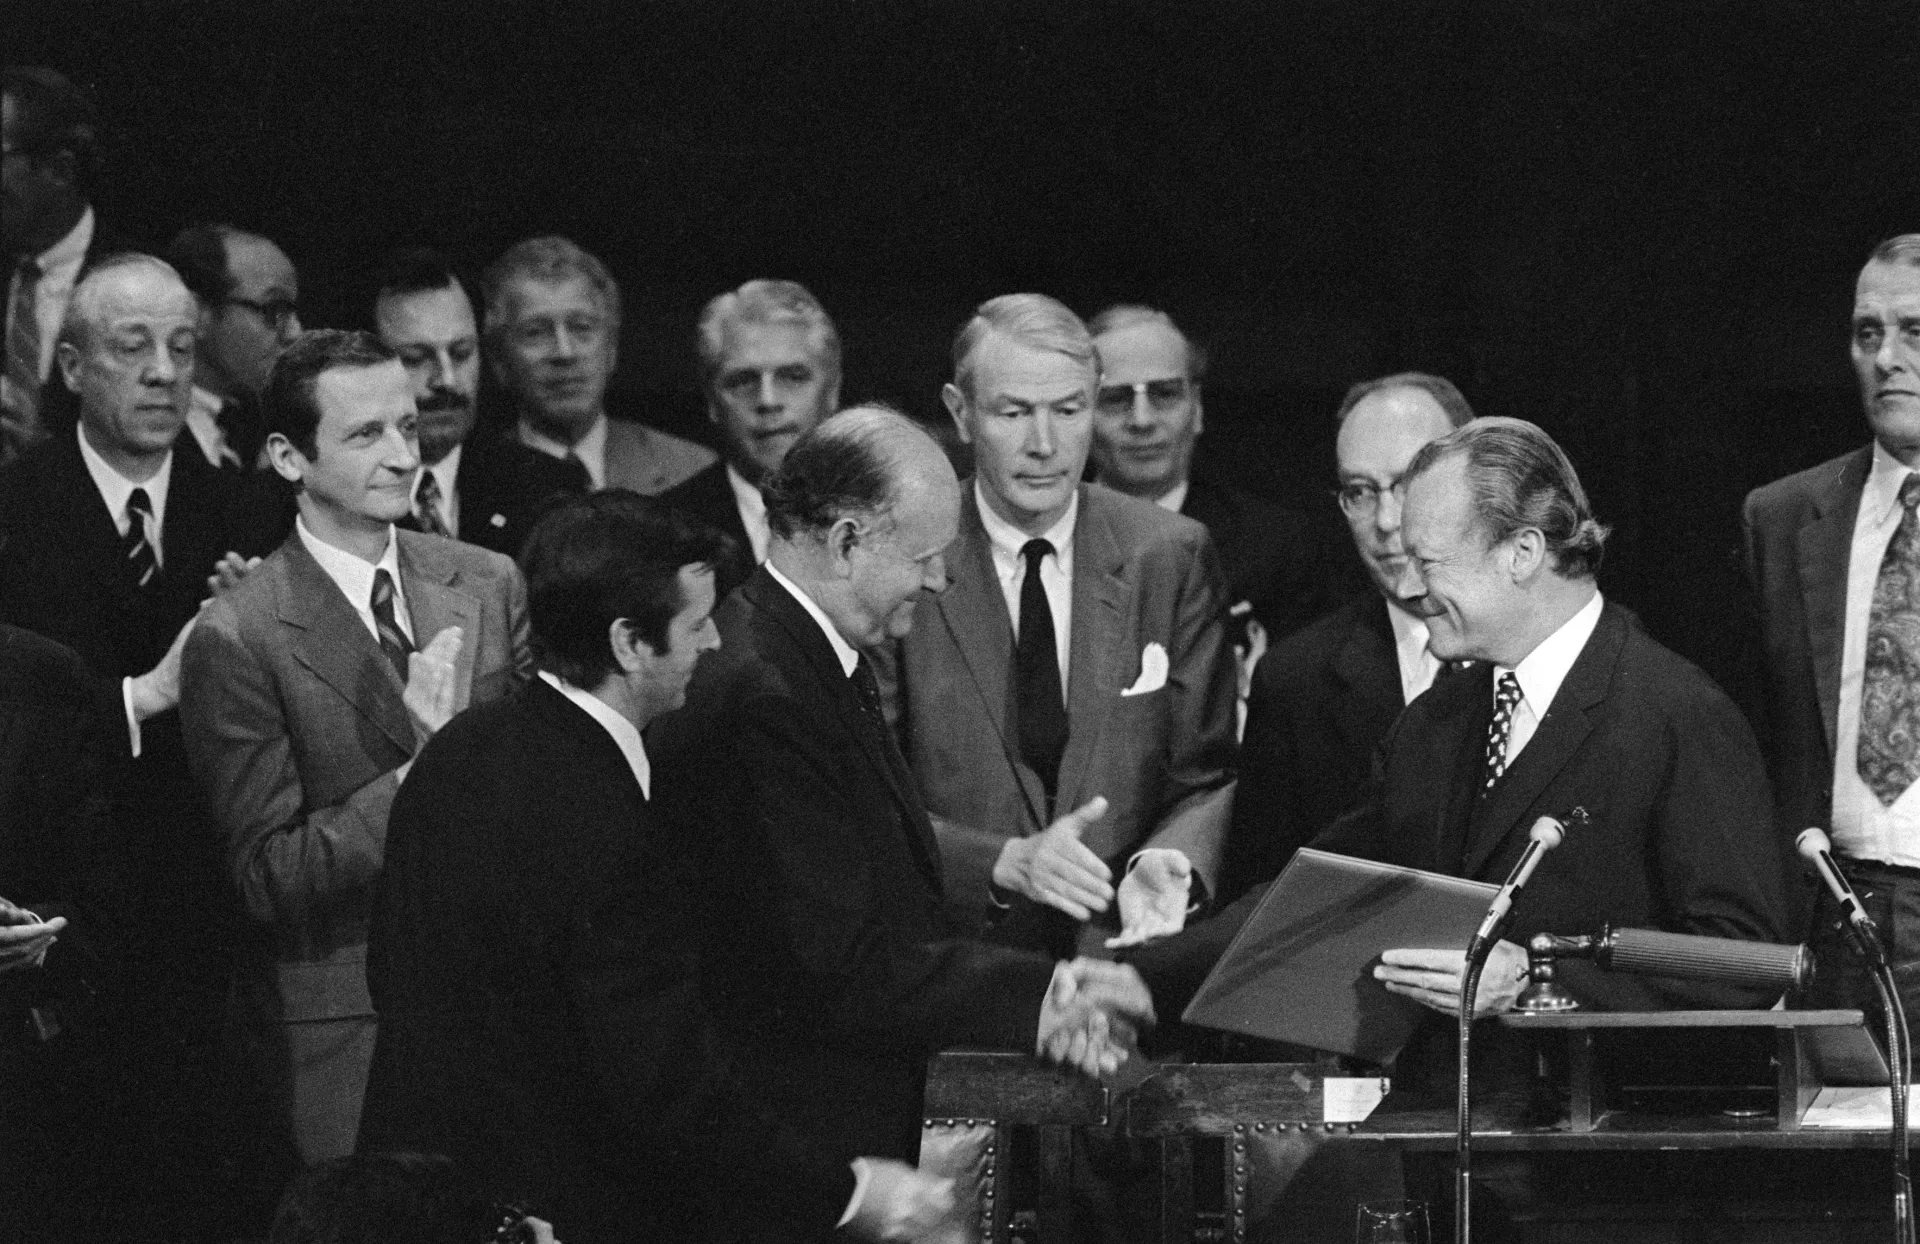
<point>862,1176</point>
<point>133,722</point>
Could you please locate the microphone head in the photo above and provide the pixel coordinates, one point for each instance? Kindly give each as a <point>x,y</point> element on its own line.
<point>1812,843</point>
<point>1547,832</point>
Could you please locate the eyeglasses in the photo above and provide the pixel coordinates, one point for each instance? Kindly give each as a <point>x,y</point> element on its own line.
<point>1360,498</point>
<point>1162,395</point>
<point>277,312</point>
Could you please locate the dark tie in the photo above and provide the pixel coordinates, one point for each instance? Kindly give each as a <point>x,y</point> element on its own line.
<point>867,687</point>
<point>22,418</point>
<point>1506,698</point>
<point>1040,707</point>
<point>1889,750</point>
<point>426,506</point>
<point>393,640</point>
<point>141,562</point>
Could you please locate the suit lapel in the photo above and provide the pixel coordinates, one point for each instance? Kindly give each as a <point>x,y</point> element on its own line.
<point>1102,602</point>
<point>1559,736</point>
<point>1825,546</point>
<point>974,612</point>
<point>1461,710</point>
<point>430,579</point>
<point>1369,668</point>
<point>330,639</point>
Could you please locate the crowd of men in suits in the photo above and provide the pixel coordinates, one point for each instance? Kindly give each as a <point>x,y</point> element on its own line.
<point>628,819</point>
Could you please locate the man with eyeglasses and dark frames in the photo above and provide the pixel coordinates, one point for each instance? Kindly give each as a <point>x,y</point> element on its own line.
<point>249,311</point>
<point>1147,419</point>
<point>1325,697</point>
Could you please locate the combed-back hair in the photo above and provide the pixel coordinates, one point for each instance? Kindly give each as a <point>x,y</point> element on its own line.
<point>199,252</point>
<point>1902,248</point>
<point>1518,478</point>
<point>1033,320</point>
<point>412,270</point>
<point>384,1198</point>
<point>550,260</point>
<point>1452,402</point>
<point>765,302</point>
<point>53,117</point>
<point>1127,314</point>
<point>848,466</point>
<point>290,405</point>
<point>83,308</point>
<point>595,559</point>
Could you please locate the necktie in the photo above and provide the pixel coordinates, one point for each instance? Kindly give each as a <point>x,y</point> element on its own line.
<point>426,506</point>
<point>867,687</point>
<point>21,417</point>
<point>141,560</point>
<point>1038,703</point>
<point>1889,751</point>
<point>1506,698</point>
<point>393,640</point>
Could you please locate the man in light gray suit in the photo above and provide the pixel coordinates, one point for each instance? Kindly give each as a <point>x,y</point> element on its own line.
<point>1068,703</point>
<point>307,691</point>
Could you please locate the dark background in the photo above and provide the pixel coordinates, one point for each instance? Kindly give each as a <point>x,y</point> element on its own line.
<point>1634,223</point>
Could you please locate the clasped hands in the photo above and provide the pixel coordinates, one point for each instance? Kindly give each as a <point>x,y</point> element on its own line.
<point>24,937</point>
<point>1056,869</point>
<point>1092,1015</point>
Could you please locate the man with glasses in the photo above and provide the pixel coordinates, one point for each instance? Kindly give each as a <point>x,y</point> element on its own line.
<point>1324,698</point>
<point>249,310</point>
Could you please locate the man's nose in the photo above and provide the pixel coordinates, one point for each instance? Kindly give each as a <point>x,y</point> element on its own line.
<point>1139,412</point>
<point>564,345</point>
<point>403,453</point>
<point>442,370</point>
<point>1386,512</point>
<point>934,577</point>
<point>768,397</point>
<point>163,370</point>
<point>1410,585</point>
<point>289,328</point>
<point>1887,357</point>
<point>1040,436</point>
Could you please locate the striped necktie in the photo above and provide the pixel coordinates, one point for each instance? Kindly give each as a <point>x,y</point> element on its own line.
<point>142,561</point>
<point>393,640</point>
<point>21,418</point>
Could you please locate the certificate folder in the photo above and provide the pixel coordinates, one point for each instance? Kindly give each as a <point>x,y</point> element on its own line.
<point>1301,968</point>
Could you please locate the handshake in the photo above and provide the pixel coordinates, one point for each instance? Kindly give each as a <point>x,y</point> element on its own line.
<point>1092,1014</point>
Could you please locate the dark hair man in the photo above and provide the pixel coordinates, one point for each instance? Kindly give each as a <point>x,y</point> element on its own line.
<point>1833,553</point>
<point>770,364</point>
<point>486,490</point>
<point>306,693</point>
<point>826,947</point>
<point>1324,697</point>
<point>553,341</point>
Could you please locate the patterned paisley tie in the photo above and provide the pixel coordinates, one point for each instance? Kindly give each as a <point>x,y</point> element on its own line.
<point>1889,750</point>
<point>1506,698</point>
<point>426,506</point>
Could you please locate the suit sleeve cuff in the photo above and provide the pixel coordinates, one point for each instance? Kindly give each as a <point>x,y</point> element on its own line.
<point>133,721</point>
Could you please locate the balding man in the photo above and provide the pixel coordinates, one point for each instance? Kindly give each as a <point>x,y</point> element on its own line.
<point>1068,704</point>
<point>1323,698</point>
<point>553,341</point>
<point>770,364</point>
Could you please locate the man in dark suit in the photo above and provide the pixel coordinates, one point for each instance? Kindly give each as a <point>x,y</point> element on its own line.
<point>827,954</point>
<point>307,691</point>
<point>486,490</point>
<point>553,341</point>
<point>540,1018</point>
<point>1323,698</point>
<point>1147,419</point>
<point>1068,704</point>
<point>770,362</point>
<point>1831,553</point>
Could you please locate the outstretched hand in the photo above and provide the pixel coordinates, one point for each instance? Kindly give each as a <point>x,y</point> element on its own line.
<point>1055,868</point>
<point>1154,897</point>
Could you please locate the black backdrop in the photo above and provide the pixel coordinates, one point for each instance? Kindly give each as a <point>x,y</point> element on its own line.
<point>1634,223</point>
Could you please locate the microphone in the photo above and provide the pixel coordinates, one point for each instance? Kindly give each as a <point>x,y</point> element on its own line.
<point>1651,952</point>
<point>1545,835</point>
<point>1815,847</point>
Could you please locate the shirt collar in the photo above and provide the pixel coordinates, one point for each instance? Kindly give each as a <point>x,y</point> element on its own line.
<point>591,449</point>
<point>355,576</point>
<point>1173,498</point>
<point>1881,497</point>
<point>115,488</point>
<point>625,737</point>
<point>849,657</point>
<point>65,256</point>
<point>746,495</point>
<point>1543,670</point>
<point>1410,634</point>
<point>1008,540</point>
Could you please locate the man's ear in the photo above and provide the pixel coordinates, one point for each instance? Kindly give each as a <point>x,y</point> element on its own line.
<point>956,403</point>
<point>287,462</point>
<point>1199,413</point>
<point>842,538</point>
<point>1529,552</point>
<point>67,356</point>
<point>630,652</point>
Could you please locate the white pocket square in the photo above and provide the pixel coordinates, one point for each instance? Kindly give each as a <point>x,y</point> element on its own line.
<point>1153,671</point>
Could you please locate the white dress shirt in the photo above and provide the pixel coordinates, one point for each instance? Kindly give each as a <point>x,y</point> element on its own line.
<point>753,512</point>
<point>625,737</point>
<point>1543,670</point>
<point>848,655</point>
<point>591,449</point>
<point>1173,498</point>
<point>446,474</point>
<point>114,489</point>
<point>59,271</point>
<point>203,421</point>
<point>354,576</point>
<point>1864,828</point>
<point>1056,571</point>
<point>1418,666</point>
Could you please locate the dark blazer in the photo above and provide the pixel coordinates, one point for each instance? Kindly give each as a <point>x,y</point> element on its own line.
<point>827,953</point>
<point>709,497</point>
<point>1322,700</point>
<point>1265,555</point>
<point>540,1018</point>
<point>1799,537</point>
<point>294,726</point>
<point>504,487</point>
<point>1164,758</point>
